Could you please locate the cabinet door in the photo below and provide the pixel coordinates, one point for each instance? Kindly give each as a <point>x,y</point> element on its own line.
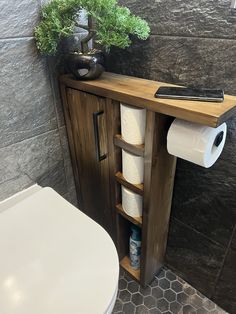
<point>88,125</point>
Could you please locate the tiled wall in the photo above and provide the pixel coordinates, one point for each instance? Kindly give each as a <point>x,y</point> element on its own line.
<point>33,142</point>
<point>194,43</point>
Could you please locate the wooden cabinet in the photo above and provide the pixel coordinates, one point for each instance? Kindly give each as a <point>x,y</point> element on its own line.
<point>86,121</point>
<point>92,113</point>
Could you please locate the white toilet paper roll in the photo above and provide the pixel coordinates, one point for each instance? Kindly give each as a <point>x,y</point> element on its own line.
<point>132,167</point>
<point>196,143</point>
<point>133,123</point>
<point>131,203</point>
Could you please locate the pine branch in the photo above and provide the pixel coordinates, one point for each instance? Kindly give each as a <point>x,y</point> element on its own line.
<point>113,24</point>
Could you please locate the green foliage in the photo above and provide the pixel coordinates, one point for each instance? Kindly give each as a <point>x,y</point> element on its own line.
<point>113,23</point>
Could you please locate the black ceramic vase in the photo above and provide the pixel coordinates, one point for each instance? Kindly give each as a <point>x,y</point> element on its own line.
<point>86,66</point>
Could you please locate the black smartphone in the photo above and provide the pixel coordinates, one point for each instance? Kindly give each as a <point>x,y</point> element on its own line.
<point>216,95</point>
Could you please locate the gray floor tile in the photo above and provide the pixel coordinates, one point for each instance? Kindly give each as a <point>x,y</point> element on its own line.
<point>166,294</point>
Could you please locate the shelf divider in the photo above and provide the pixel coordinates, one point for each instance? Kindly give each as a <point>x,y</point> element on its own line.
<point>137,188</point>
<point>125,263</point>
<point>134,149</point>
<point>135,220</point>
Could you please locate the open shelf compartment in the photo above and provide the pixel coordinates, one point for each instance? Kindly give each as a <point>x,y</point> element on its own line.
<point>125,263</point>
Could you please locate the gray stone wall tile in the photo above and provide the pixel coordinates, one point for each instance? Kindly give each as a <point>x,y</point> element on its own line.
<point>82,20</point>
<point>18,18</point>
<point>65,145</point>
<point>55,178</point>
<point>187,18</point>
<point>26,102</point>
<point>67,163</point>
<point>194,257</point>
<point>30,107</point>
<point>208,204</point>
<point>188,61</point>
<point>226,288</point>
<point>39,158</point>
<point>233,241</point>
<point>57,65</point>
<point>14,185</point>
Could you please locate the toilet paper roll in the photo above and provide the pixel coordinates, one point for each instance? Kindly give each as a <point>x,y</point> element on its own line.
<point>196,143</point>
<point>133,123</point>
<point>132,167</point>
<point>131,203</point>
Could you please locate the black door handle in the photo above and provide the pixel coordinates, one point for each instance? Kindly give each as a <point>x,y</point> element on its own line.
<point>99,157</point>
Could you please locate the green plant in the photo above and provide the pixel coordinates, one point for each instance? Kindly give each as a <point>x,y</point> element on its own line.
<point>110,23</point>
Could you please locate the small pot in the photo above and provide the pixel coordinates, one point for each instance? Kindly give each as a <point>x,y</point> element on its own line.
<point>86,66</point>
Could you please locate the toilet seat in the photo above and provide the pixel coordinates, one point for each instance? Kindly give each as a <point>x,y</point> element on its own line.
<point>55,259</point>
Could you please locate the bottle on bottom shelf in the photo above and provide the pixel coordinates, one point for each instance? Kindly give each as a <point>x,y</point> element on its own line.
<point>135,247</point>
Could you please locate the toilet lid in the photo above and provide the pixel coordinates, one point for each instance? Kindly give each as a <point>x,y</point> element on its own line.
<point>54,259</point>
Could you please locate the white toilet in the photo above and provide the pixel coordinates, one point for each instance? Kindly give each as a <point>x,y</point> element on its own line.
<point>53,258</point>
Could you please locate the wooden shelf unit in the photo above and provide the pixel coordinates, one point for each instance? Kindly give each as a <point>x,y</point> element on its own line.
<point>159,170</point>
<point>84,99</point>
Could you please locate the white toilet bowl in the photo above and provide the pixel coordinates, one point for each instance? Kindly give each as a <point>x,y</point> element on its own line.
<point>53,258</point>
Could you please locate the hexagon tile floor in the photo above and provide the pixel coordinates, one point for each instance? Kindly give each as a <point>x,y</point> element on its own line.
<point>167,294</point>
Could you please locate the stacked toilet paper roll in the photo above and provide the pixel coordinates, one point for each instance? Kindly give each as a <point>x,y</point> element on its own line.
<point>132,167</point>
<point>196,143</point>
<point>133,123</point>
<point>131,203</point>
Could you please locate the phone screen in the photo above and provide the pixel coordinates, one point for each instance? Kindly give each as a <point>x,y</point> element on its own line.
<point>189,93</point>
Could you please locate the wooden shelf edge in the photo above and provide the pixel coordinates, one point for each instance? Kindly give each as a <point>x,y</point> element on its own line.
<point>135,220</point>
<point>139,92</point>
<point>125,264</point>
<point>134,149</point>
<point>137,188</point>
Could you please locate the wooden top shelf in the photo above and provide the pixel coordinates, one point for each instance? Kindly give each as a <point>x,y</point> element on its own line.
<point>140,92</point>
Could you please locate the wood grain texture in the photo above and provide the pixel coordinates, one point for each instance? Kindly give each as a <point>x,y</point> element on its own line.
<point>136,188</point>
<point>125,263</point>
<point>94,175</point>
<point>135,220</point>
<point>137,150</point>
<point>140,93</point>
<point>114,160</point>
<point>158,187</point>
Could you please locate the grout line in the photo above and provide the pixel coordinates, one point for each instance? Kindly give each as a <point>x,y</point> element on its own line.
<point>28,138</point>
<point>202,234</point>
<point>223,262</point>
<point>22,37</point>
<point>17,38</point>
<point>192,37</point>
